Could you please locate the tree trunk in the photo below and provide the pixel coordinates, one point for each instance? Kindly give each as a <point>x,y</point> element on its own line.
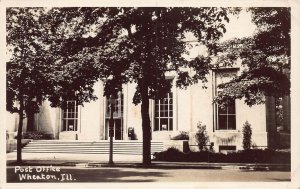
<point>30,121</point>
<point>146,125</point>
<point>19,135</point>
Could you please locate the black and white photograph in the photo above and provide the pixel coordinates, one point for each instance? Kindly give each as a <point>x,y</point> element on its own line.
<point>149,95</point>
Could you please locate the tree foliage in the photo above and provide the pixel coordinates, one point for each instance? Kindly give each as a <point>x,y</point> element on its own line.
<point>139,45</point>
<point>265,58</point>
<point>202,137</point>
<point>35,72</point>
<point>27,70</point>
<point>247,134</point>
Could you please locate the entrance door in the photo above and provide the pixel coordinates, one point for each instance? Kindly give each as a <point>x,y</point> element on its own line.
<point>117,115</point>
<point>118,129</point>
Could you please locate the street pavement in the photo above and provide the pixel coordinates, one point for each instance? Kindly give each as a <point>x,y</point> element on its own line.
<point>128,168</point>
<point>121,174</point>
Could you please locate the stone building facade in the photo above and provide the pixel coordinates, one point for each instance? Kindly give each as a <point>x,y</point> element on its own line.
<point>181,110</point>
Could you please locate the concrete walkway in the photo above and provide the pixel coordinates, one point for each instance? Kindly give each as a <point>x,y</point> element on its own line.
<point>74,157</point>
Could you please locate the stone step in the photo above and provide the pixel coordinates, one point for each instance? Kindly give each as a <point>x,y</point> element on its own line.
<point>89,147</point>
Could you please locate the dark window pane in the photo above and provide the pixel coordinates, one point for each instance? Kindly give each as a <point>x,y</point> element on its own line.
<point>231,122</point>
<point>231,109</point>
<point>165,114</point>
<point>118,129</point>
<point>222,110</point>
<point>156,125</point>
<point>75,125</point>
<point>64,125</point>
<point>171,114</point>
<point>171,124</point>
<point>222,122</point>
<point>162,107</point>
<point>71,107</point>
<point>166,107</point>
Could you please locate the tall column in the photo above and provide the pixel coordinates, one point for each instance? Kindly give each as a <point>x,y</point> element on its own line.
<point>271,121</point>
<point>286,105</point>
<point>101,112</point>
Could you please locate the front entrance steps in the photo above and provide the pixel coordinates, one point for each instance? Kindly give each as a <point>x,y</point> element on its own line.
<point>131,147</point>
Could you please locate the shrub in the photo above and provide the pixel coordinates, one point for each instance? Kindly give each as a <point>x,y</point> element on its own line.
<point>183,135</point>
<point>244,156</point>
<point>247,134</point>
<point>201,137</point>
<point>171,154</point>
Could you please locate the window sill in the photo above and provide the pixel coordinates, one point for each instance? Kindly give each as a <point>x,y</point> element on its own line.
<point>227,131</point>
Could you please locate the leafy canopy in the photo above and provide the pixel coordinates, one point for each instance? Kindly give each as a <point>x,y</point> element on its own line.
<point>37,70</point>
<point>27,71</point>
<point>141,44</point>
<point>264,56</point>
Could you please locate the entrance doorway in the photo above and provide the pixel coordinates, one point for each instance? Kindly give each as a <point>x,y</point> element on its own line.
<point>117,116</point>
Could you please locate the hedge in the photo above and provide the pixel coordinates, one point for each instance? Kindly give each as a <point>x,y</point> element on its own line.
<point>244,156</point>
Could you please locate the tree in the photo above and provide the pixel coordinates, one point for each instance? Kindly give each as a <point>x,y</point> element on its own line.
<point>139,45</point>
<point>26,70</point>
<point>202,137</point>
<point>34,73</point>
<point>247,134</point>
<point>265,57</point>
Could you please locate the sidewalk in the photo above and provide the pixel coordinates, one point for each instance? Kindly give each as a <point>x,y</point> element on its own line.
<point>70,159</point>
<point>130,161</point>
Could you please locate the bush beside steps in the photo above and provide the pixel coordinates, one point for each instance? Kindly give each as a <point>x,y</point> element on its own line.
<point>244,156</point>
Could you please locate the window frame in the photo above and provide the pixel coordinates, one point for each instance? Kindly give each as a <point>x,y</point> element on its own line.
<point>117,116</point>
<point>218,77</point>
<point>74,117</point>
<point>226,115</point>
<point>168,113</point>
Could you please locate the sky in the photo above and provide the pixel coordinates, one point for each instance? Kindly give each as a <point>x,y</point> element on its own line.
<point>238,27</point>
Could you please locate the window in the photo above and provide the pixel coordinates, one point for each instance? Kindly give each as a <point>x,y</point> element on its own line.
<point>118,106</point>
<point>227,149</point>
<point>164,113</point>
<point>70,116</point>
<point>226,118</point>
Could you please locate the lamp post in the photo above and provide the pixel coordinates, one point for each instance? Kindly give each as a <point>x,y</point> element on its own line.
<point>111,130</point>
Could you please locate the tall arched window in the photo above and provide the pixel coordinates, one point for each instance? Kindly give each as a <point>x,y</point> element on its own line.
<point>225,117</point>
